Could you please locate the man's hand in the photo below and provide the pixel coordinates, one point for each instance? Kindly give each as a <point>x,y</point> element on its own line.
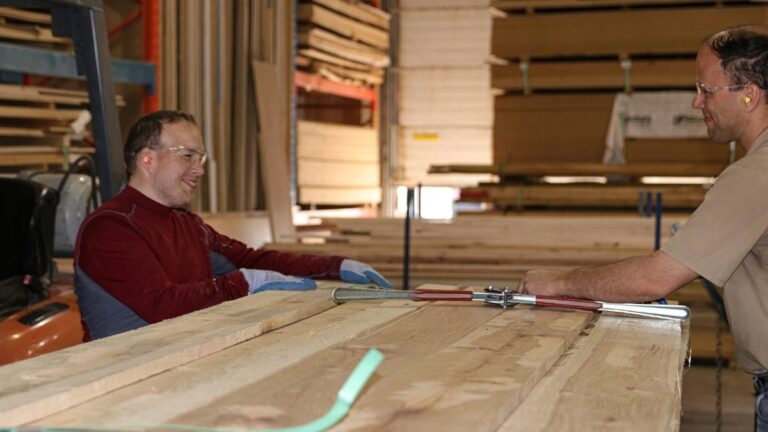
<point>357,272</point>
<point>265,280</point>
<point>542,282</point>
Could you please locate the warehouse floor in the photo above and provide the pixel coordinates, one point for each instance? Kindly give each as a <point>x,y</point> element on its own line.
<point>699,400</point>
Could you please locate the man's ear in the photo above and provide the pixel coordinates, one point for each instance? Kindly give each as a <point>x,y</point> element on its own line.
<point>753,97</point>
<point>145,159</point>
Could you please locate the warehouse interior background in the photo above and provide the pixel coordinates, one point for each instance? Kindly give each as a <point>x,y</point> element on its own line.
<point>518,124</point>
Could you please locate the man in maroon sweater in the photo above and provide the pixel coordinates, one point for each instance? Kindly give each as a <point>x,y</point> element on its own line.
<point>142,257</point>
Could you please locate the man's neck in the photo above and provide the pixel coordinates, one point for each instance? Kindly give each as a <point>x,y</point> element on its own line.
<point>145,190</point>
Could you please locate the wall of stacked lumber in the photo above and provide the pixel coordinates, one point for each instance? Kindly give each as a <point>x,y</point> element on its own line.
<point>36,122</point>
<point>583,86</point>
<point>277,359</point>
<point>445,102</point>
<point>586,50</point>
<point>345,43</point>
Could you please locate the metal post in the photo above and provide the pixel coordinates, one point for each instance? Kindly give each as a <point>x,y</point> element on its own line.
<point>657,231</point>
<point>85,23</point>
<point>407,239</point>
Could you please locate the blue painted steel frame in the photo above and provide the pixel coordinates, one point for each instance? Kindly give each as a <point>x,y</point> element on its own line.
<point>45,62</point>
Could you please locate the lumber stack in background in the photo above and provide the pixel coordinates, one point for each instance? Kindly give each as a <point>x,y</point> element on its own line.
<point>337,155</point>
<point>480,251</point>
<point>338,164</point>
<point>343,41</point>
<point>583,51</point>
<point>445,101</point>
<point>36,121</point>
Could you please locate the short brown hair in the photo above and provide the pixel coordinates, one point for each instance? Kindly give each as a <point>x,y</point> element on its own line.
<point>743,54</point>
<point>146,133</point>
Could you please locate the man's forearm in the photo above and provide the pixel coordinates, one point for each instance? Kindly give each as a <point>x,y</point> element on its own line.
<point>635,279</point>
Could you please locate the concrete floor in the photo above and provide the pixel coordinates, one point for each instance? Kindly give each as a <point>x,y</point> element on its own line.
<point>699,400</point>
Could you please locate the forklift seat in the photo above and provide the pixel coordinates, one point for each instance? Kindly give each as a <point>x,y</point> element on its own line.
<point>27,220</point>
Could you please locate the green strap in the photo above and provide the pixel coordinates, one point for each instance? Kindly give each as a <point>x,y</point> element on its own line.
<point>344,400</point>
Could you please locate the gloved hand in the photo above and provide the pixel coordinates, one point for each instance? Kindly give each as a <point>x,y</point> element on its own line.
<point>357,272</point>
<point>265,280</point>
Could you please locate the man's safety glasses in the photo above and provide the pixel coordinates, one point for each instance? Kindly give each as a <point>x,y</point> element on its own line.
<point>187,154</point>
<point>707,91</point>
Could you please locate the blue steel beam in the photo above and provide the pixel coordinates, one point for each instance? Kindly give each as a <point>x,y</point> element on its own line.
<point>38,61</point>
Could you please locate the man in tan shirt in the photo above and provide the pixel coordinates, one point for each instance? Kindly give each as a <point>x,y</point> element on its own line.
<point>726,238</point>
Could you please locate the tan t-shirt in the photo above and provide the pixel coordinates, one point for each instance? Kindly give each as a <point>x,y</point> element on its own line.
<point>726,241</point>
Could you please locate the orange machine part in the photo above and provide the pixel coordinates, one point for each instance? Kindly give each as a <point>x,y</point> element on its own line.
<point>47,326</point>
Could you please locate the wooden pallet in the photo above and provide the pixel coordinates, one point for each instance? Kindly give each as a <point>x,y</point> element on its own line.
<point>499,366</point>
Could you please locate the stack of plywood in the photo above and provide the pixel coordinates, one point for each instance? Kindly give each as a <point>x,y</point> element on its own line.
<point>445,101</point>
<point>343,41</point>
<point>584,51</point>
<point>338,164</point>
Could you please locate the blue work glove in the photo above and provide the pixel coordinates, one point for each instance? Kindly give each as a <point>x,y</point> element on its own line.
<point>265,280</point>
<point>357,272</point>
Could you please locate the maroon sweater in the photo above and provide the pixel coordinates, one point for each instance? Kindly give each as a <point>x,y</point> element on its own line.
<point>155,259</point>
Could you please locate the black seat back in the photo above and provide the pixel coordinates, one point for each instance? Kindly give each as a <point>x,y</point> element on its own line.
<point>27,220</point>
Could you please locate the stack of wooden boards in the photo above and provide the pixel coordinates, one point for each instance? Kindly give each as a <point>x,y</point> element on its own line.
<point>347,43</point>
<point>445,104</point>
<point>338,164</point>
<point>343,41</point>
<point>277,359</point>
<point>35,122</point>
<point>562,63</point>
<point>496,250</point>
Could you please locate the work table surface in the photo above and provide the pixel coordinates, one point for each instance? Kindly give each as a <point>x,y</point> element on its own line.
<point>278,359</point>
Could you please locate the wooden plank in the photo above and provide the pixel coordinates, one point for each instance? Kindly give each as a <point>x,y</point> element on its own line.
<point>620,196</point>
<point>31,33</point>
<point>585,169</point>
<point>342,47</point>
<point>615,32</point>
<point>31,159</point>
<point>273,146</point>
<point>44,94</point>
<point>241,366</point>
<point>21,132</point>
<point>653,74</point>
<point>339,195</point>
<point>359,11</point>
<point>319,55</point>
<point>39,113</point>
<point>25,15</point>
<point>35,388</point>
<point>594,370</point>
<point>344,26</point>
<point>348,76</point>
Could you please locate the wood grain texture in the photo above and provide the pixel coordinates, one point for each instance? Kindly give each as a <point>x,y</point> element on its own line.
<point>184,390</point>
<point>342,25</point>
<point>614,370</point>
<point>48,384</point>
<point>433,364</point>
